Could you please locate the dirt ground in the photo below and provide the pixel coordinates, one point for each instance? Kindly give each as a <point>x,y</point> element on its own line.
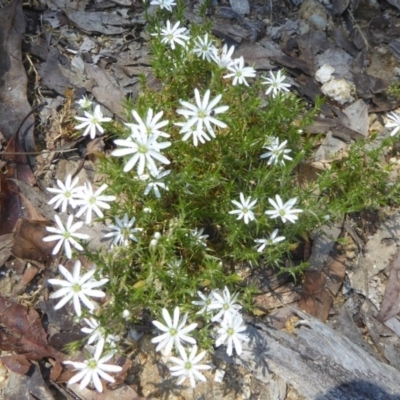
<point>347,344</point>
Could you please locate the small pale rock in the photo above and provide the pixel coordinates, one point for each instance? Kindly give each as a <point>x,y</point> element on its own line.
<point>219,376</point>
<point>339,90</point>
<point>315,14</point>
<point>242,7</point>
<point>382,50</point>
<point>324,74</point>
<point>396,71</point>
<point>338,59</point>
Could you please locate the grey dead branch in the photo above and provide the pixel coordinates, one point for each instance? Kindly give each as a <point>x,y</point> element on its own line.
<point>319,362</point>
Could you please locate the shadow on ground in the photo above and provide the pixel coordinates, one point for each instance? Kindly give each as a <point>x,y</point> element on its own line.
<point>358,390</point>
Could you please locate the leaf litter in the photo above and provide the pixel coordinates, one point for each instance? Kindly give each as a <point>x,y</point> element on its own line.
<point>301,55</point>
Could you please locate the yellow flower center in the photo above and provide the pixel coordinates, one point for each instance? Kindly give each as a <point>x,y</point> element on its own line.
<point>173,332</point>
<point>142,149</point>
<point>188,365</point>
<point>92,364</point>
<point>76,288</point>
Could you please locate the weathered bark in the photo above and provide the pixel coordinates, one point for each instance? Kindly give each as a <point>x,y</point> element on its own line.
<point>318,362</point>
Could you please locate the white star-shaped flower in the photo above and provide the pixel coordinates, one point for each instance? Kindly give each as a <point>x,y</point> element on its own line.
<point>284,211</point>
<point>224,58</point>
<point>273,239</point>
<point>225,303</point>
<point>188,366</point>
<point>90,201</point>
<point>174,268</point>
<point>77,288</point>
<point>172,35</point>
<point>65,195</point>
<point>192,131</point>
<point>175,332</point>
<point>84,103</point>
<point>277,153</point>
<point>92,122</point>
<point>276,84</point>
<point>202,114</point>
<point>167,4</point>
<point>394,122</point>
<point>239,72</point>
<point>151,125</point>
<point>199,237</point>
<point>204,48</point>
<point>66,235</point>
<point>231,334</point>
<point>94,368</point>
<point>145,150</point>
<point>155,182</point>
<point>244,209</point>
<point>98,333</point>
<point>123,231</point>
<point>205,302</point>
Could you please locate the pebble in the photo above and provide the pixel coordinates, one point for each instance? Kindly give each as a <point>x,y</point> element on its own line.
<point>382,50</point>
<point>315,14</point>
<point>324,74</point>
<point>242,7</point>
<point>339,90</point>
<point>396,71</point>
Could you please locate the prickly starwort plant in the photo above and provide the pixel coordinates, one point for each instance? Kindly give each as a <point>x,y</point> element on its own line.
<point>204,177</point>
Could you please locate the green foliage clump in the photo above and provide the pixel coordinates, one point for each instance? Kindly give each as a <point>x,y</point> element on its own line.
<point>169,264</point>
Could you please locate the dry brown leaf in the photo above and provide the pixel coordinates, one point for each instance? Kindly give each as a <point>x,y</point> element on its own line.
<point>17,168</point>
<point>17,265</point>
<point>320,287</point>
<point>95,149</point>
<point>27,277</point>
<point>391,301</point>
<point>17,363</point>
<point>22,332</point>
<point>28,241</point>
<point>6,242</point>
<point>315,299</point>
<point>56,370</point>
